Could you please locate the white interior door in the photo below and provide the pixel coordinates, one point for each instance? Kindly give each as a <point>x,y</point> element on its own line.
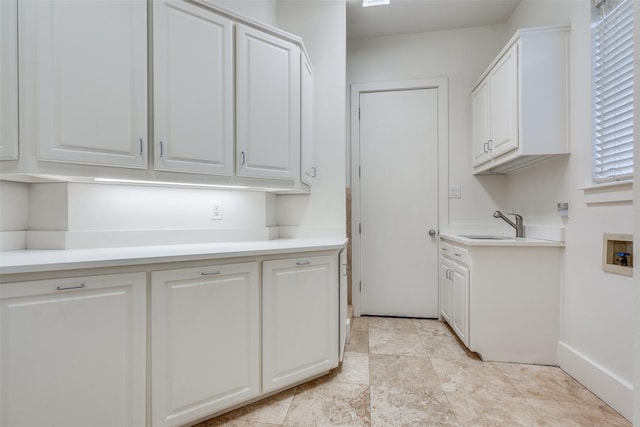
<point>399,202</point>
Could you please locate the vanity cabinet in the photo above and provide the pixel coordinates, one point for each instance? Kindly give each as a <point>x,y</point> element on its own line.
<point>83,81</point>
<point>268,105</point>
<point>502,300</point>
<point>193,89</point>
<point>9,80</point>
<point>74,352</point>
<point>300,314</point>
<point>205,345</point>
<point>454,289</point>
<point>520,103</point>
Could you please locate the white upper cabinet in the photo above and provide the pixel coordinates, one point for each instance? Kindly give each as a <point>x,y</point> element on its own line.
<point>193,89</point>
<point>520,103</point>
<point>268,105</point>
<point>308,171</point>
<point>9,80</point>
<point>84,71</point>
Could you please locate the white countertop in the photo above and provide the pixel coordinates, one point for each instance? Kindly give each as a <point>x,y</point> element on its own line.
<point>31,260</point>
<point>515,241</point>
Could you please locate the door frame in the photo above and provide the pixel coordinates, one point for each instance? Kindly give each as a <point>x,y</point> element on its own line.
<point>442,86</point>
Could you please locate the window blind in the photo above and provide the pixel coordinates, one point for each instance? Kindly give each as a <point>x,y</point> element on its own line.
<point>612,59</point>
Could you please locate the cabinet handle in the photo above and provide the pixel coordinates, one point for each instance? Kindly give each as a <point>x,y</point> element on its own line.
<point>161,149</point>
<point>486,147</point>
<point>457,254</point>
<point>489,144</point>
<point>313,172</point>
<point>211,273</point>
<point>242,158</point>
<point>141,146</point>
<point>303,262</point>
<point>66,288</point>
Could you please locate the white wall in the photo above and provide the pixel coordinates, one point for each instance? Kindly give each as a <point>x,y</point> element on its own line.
<point>259,10</point>
<point>437,54</point>
<point>597,311</point>
<point>322,25</point>
<point>14,211</point>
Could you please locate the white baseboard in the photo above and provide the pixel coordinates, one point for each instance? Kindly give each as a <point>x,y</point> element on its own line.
<point>615,391</point>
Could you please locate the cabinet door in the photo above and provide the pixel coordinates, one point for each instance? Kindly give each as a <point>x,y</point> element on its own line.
<point>344,308</point>
<point>9,80</point>
<point>268,106</point>
<point>480,126</point>
<point>73,352</point>
<point>460,302</point>
<point>504,103</point>
<point>446,289</point>
<point>193,89</point>
<point>84,72</point>
<point>306,122</point>
<point>300,319</point>
<point>205,343</point>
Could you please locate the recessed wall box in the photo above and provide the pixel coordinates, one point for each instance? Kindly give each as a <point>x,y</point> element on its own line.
<point>617,253</point>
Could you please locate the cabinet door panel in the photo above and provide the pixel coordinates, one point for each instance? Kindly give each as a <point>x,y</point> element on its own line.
<point>76,356</point>
<point>85,69</point>
<point>268,106</point>
<point>193,87</point>
<point>9,80</point>
<point>307,122</point>
<point>205,340</point>
<point>504,103</point>
<point>481,132</point>
<point>300,320</point>
<point>445,289</point>
<point>460,302</point>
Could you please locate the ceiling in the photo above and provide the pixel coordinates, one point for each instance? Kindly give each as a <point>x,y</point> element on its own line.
<point>417,16</point>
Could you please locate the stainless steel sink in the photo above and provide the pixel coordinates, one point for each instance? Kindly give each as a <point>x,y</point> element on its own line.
<point>484,237</point>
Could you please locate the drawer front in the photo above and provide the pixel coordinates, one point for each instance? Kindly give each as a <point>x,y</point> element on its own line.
<point>460,254</point>
<point>446,249</point>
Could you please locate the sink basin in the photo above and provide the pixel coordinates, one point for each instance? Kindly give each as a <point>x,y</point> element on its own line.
<point>483,237</point>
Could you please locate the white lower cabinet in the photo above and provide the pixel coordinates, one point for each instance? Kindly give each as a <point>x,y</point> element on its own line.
<point>300,319</point>
<point>73,352</point>
<point>205,342</point>
<point>454,289</point>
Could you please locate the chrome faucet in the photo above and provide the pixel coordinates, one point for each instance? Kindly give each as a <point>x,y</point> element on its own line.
<point>519,226</point>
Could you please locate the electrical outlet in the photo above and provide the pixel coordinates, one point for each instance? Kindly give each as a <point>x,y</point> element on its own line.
<point>216,210</point>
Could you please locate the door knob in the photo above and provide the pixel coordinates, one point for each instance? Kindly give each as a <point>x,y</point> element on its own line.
<point>432,232</point>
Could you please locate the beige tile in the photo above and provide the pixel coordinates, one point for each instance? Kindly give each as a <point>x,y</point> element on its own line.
<point>359,342</point>
<point>396,343</point>
<point>408,372</point>
<point>399,407</point>
<point>471,376</point>
<point>482,409</point>
<point>446,347</point>
<point>432,327</point>
<point>391,324</point>
<point>324,402</point>
<point>269,411</point>
<point>360,324</point>
<point>546,383</point>
<point>562,413</point>
<point>354,369</point>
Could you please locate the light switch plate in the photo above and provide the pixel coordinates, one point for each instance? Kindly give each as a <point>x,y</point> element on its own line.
<point>455,192</point>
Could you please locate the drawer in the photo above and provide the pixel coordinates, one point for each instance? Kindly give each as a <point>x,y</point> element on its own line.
<point>460,254</point>
<point>446,249</point>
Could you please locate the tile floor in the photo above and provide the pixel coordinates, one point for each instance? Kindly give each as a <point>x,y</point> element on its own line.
<point>414,372</point>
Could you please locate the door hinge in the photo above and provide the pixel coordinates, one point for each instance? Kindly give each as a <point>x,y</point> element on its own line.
<point>359,228</point>
<point>359,171</point>
<point>358,113</point>
<point>360,286</point>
